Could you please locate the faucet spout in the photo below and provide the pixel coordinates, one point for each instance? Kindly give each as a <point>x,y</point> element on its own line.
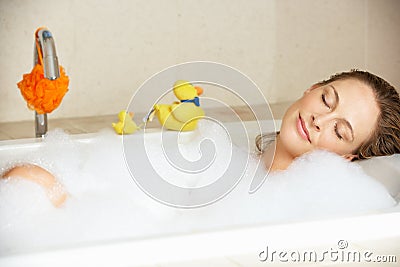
<point>44,44</point>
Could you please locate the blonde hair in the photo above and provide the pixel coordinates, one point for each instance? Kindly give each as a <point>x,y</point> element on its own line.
<point>264,140</point>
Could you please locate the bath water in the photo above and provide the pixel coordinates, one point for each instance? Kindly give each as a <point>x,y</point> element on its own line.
<point>105,203</point>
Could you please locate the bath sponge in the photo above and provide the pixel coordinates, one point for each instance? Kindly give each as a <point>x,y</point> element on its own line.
<point>41,94</point>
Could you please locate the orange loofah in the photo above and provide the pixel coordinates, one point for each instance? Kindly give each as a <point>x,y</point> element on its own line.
<point>41,94</point>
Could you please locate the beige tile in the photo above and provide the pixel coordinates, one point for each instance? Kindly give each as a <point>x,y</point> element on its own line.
<point>65,124</point>
<point>383,39</point>
<point>25,129</point>
<point>17,130</point>
<point>284,46</point>
<point>91,124</point>
<point>105,73</point>
<point>314,40</point>
<point>279,109</point>
<point>4,136</point>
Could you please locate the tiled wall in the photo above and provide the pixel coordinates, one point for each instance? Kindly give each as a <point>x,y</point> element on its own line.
<point>109,48</point>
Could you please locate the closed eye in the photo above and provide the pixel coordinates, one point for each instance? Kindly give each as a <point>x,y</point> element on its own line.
<point>337,132</point>
<point>324,101</point>
<point>344,131</point>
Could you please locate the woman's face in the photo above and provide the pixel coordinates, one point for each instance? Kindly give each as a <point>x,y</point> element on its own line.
<point>338,117</point>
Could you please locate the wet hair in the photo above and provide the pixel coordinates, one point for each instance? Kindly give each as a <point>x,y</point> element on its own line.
<point>264,140</point>
<point>385,139</point>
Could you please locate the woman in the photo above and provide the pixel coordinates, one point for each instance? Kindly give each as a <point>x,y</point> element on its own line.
<point>354,114</point>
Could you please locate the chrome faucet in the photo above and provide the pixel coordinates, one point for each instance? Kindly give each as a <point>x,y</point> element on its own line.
<point>51,71</point>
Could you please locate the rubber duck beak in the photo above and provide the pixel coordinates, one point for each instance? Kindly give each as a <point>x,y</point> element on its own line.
<point>199,90</point>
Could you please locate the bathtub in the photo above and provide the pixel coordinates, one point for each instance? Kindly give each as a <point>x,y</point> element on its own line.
<point>236,244</point>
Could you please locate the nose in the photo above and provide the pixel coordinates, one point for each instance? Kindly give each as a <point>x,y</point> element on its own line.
<point>315,123</point>
<point>319,120</point>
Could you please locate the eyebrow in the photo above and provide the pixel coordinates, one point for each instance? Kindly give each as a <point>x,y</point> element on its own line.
<point>336,94</point>
<point>351,129</point>
<point>345,121</point>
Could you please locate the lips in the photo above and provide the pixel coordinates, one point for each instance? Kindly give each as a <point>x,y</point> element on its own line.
<point>302,129</point>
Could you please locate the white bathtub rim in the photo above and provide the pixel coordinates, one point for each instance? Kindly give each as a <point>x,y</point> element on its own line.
<point>311,235</point>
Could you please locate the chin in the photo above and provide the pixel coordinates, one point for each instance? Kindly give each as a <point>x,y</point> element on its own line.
<point>293,145</point>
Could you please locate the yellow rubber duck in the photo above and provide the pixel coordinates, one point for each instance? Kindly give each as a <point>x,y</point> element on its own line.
<point>183,115</point>
<point>126,125</point>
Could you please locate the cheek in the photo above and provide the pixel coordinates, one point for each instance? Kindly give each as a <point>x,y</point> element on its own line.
<point>325,141</point>
<point>310,101</point>
<point>331,143</point>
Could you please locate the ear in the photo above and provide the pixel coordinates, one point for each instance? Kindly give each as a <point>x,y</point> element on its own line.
<point>350,157</point>
<point>312,88</point>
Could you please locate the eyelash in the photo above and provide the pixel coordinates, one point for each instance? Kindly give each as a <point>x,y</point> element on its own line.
<point>324,101</point>
<point>337,132</point>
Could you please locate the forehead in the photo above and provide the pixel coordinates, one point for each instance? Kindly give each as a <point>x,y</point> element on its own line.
<point>357,104</point>
<point>354,92</point>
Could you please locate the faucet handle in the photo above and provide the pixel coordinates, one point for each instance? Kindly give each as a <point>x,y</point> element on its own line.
<point>50,61</point>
